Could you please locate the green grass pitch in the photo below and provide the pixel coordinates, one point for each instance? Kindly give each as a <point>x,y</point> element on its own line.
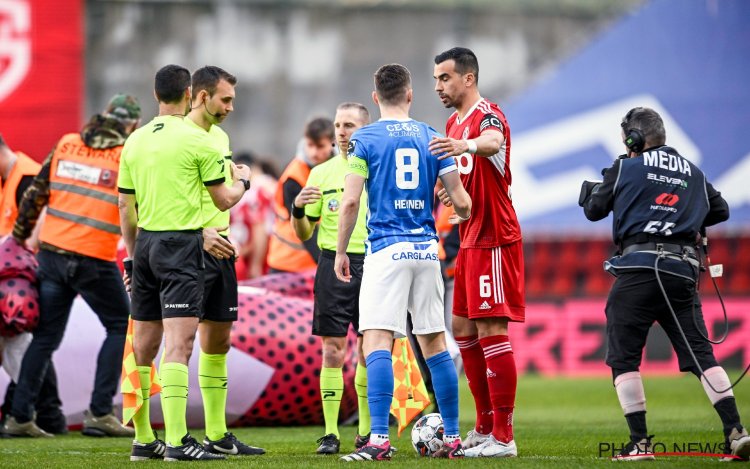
<point>559,422</point>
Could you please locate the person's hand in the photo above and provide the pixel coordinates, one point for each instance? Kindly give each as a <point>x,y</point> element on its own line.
<point>216,245</point>
<point>444,197</point>
<point>587,187</point>
<point>240,171</point>
<point>341,268</point>
<point>308,195</point>
<point>456,220</point>
<point>127,273</point>
<point>446,147</point>
<point>126,281</point>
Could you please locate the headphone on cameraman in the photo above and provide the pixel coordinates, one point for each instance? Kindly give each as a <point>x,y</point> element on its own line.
<point>634,139</point>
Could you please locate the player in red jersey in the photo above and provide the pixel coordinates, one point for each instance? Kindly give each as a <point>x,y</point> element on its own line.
<point>489,282</point>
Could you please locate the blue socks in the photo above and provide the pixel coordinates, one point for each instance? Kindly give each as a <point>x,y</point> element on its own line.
<point>380,390</point>
<point>445,383</point>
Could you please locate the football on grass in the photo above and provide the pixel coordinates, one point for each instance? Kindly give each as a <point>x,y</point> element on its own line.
<point>427,434</point>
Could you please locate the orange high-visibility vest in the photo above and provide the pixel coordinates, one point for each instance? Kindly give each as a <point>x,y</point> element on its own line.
<point>443,228</point>
<point>24,166</point>
<point>82,215</point>
<point>285,250</point>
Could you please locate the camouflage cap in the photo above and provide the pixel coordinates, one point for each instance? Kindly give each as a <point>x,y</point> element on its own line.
<point>123,106</point>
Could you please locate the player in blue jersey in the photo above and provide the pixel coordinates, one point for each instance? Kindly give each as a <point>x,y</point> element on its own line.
<point>401,269</point>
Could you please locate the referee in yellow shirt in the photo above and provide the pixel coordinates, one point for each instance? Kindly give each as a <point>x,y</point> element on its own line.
<point>213,101</point>
<point>164,166</point>
<point>336,303</point>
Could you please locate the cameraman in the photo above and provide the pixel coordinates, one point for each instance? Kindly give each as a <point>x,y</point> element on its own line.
<point>661,202</point>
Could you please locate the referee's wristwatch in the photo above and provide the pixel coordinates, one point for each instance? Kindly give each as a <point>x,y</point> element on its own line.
<point>246,183</point>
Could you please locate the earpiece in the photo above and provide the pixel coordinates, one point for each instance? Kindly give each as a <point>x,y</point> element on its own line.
<point>217,115</point>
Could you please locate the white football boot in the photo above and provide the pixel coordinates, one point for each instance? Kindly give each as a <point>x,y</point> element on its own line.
<point>491,448</point>
<point>474,438</point>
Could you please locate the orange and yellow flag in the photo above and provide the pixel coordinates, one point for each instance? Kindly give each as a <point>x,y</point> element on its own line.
<point>130,381</point>
<point>409,391</point>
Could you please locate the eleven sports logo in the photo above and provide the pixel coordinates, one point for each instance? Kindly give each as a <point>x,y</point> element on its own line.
<point>15,44</point>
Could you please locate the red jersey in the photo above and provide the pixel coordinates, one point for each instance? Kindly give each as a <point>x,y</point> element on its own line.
<point>493,219</point>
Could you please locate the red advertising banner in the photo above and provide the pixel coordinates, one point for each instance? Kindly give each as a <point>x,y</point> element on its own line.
<point>41,72</point>
<point>570,339</point>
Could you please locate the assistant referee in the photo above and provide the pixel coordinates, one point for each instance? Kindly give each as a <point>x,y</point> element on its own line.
<point>336,303</point>
<point>163,168</point>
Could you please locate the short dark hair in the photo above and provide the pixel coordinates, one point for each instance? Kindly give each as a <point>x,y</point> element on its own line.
<point>269,168</point>
<point>364,114</point>
<point>170,83</point>
<point>392,81</point>
<point>244,157</point>
<point>208,78</point>
<point>320,128</point>
<point>249,158</point>
<point>465,60</point>
<point>2,141</point>
<point>648,122</point>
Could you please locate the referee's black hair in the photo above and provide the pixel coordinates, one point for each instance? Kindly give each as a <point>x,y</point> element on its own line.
<point>208,78</point>
<point>170,83</point>
<point>465,60</point>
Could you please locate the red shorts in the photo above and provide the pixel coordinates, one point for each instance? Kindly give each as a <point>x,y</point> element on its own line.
<point>489,283</point>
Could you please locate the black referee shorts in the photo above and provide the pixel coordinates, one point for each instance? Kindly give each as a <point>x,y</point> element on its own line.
<point>168,274</point>
<point>336,302</point>
<point>636,302</point>
<point>220,294</point>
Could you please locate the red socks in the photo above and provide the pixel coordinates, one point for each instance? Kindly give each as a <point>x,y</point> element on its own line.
<point>501,380</point>
<point>476,372</point>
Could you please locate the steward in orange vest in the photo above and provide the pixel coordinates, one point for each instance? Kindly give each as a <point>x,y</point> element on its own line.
<point>78,184</point>
<point>285,250</point>
<point>286,253</point>
<point>78,243</point>
<point>16,173</point>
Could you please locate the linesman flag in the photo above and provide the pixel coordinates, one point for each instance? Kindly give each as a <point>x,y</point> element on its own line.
<point>130,381</point>
<point>409,391</point>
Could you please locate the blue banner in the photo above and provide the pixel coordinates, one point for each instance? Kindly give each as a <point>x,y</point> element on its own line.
<point>687,59</point>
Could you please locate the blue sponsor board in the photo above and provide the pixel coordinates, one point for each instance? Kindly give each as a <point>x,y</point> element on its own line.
<point>688,59</point>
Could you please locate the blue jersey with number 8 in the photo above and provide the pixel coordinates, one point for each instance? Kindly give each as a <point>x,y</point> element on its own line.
<point>401,174</point>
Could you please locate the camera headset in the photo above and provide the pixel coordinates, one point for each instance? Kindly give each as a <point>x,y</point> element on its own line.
<point>634,139</point>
